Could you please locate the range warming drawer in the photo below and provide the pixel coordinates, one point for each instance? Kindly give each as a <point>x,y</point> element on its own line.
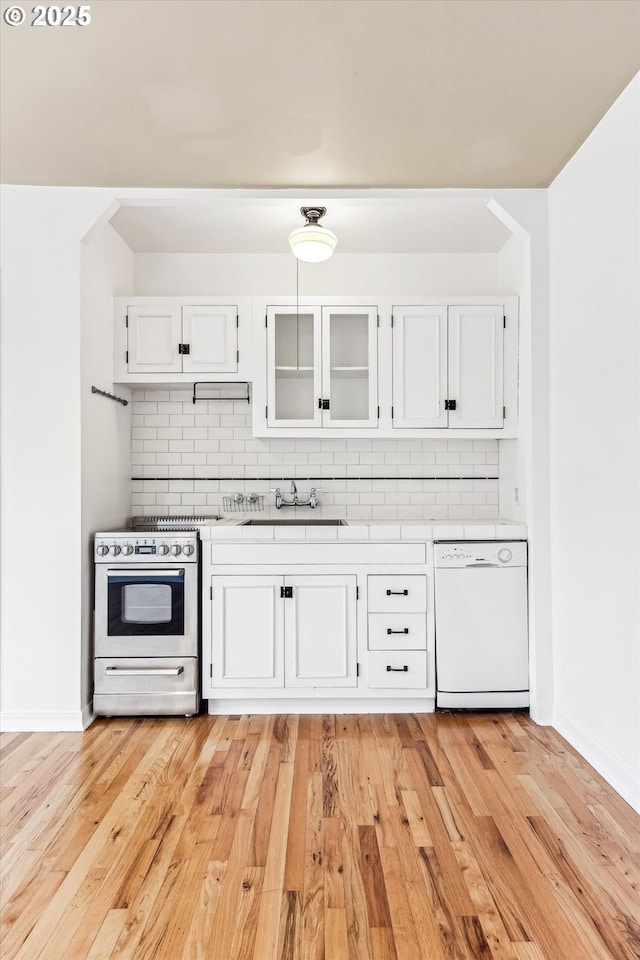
<point>145,686</point>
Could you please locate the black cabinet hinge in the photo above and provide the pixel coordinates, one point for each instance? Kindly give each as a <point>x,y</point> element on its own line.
<point>184,348</point>
<point>286,592</point>
<point>450,404</point>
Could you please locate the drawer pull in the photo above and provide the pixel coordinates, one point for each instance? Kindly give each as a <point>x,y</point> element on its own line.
<point>397,593</point>
<point>391,669</point>
<point>405,630</point>
<point>145,671</point>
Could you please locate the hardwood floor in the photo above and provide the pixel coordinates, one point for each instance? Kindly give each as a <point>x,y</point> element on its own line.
<point>406,837</point>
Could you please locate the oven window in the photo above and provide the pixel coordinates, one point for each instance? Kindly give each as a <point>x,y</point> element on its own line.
<point>146,604</point>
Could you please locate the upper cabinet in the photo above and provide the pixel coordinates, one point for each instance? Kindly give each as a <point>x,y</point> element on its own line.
<point>448,366</point>
<point>322,367</point>
<point>411,368</point>
<point>176,340</point>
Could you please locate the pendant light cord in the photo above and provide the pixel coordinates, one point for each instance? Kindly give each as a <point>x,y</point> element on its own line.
<point>297,314</point>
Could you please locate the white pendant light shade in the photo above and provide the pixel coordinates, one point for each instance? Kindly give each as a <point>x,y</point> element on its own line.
<point>312,242</point>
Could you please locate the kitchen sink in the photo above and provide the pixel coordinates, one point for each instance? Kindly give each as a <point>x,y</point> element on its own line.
<point>295,522</point>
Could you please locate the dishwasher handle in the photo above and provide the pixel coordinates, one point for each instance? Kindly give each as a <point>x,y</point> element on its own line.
<point>482,564</point>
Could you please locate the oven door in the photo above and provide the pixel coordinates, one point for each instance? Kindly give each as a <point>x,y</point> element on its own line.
<point>146,611</point>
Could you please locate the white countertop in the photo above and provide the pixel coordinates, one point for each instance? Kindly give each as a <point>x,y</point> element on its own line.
<point>464,529</point>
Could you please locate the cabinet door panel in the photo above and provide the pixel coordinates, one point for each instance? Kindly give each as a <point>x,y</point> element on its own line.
<point>293,364</point>
<point>349,366</point>
<point>476,366</point>
<point>212,335</point>
<point>154,333</point>
<point>419,366</point>
<point>247,632</point>
<point>320,631</point>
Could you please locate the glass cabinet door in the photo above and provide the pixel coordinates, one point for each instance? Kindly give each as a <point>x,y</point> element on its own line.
<point>293,360</point>
<point>349,358</point>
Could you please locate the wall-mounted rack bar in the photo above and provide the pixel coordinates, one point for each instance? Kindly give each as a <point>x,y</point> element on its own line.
<point>111,396</point>
<point>229,390</point>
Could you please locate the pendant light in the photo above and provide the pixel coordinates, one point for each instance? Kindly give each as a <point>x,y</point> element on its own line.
<point>312,242</point>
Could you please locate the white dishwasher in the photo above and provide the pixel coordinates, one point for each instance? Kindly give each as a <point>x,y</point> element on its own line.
<point>482,649</point>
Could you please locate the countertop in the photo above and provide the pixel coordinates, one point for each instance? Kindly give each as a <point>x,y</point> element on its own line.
<point>464,529</point>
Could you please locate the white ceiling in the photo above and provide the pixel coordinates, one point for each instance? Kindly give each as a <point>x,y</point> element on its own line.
<point>365,226</point>
<point>312,93</point>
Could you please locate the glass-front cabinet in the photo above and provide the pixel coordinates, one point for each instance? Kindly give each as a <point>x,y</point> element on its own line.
<point>322,366</point>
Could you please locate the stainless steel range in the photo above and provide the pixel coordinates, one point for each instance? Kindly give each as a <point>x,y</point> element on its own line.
<point>146,621</point>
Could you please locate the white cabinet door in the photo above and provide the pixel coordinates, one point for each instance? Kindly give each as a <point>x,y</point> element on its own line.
<point>212,335</point>
<point>476,366</point>
<point>320,631</point>
<point>293,365</point>
<point>153,336</point>
<point>419,366</point>
<point>349,366</point>
<point>322,367</point>
<point>247,632</point>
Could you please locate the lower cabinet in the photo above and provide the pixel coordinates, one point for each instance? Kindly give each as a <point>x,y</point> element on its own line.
<point>283,631</point>
<point>397,632</point>
<point>308,625</point>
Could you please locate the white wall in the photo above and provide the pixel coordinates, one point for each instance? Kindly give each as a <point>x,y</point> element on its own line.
<point>41,542</point>
<point>107,272</point>
<point>594,236</point>
<point>161,274</point>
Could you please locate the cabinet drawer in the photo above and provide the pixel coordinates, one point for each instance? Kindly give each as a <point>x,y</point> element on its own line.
<point>397,631</point>
<point>397,593</point>
<point>397,671</point>
<point>142,675</point>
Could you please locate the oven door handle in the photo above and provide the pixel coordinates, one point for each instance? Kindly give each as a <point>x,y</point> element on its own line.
<point>146,671</point>
<point>137,572</point>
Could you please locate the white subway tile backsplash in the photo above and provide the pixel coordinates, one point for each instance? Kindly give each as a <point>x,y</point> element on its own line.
<point>189,457</point>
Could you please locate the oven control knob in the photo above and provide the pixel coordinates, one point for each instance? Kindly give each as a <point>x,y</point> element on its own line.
<point>163,550</point>
<point>102,550</point>
<point>114,550</point>
<point>127,550</point>
<point>176,549</point>
<point>188,549</point>
<point>504,555</point>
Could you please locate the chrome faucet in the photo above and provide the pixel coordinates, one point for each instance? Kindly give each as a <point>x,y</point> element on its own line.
<point>311,501</point>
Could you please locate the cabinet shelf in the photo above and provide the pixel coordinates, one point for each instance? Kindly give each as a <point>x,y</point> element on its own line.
<point>339,368</point>
<point>293,368</point>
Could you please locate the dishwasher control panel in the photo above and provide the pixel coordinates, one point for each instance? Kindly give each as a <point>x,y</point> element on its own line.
<point>490,553</point>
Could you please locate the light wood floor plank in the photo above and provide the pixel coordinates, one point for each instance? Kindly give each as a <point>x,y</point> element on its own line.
<point>449,836</point>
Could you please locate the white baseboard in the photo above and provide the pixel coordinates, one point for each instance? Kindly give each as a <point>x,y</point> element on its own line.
<point>616,772</point>
<point>35,721</point>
